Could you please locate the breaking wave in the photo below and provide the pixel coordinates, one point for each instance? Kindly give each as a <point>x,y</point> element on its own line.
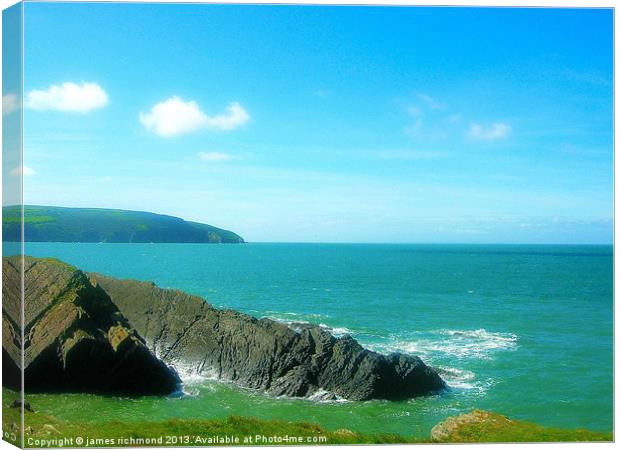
<point>464,380</point>
<point>336,331</point>
<point>291,317</point>
<point>461,344</point>
<point>457,378</point>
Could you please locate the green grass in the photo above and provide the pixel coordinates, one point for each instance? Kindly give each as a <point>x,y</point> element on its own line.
<point>497,428</point>
<point>194,432</point>
<point>183,432</point>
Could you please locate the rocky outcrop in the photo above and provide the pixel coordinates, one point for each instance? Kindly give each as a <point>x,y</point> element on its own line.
<point>188,333</point>
<point>75,338</point>
<point>446,430</point>
<point>92,333</point>
<point>484,426</point>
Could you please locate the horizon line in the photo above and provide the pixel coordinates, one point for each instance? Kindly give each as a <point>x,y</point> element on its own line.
<point>334,243</point>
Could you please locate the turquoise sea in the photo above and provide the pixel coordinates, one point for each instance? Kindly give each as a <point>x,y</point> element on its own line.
<point>525,331</point>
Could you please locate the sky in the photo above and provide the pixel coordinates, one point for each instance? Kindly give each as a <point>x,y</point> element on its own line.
<point>11,119</point>
<point>326,124</point>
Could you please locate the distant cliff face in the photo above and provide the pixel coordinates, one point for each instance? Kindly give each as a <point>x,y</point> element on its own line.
<point>76,339</point>
<point>194,337</point>
<point>55,224</point>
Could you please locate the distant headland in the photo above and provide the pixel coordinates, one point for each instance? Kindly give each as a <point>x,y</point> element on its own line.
<point>59,224</point>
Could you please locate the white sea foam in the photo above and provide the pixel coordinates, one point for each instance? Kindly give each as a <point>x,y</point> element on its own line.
<point>286,320</point>
<point>464,380</point>
<point>292,317</point>
<point>336,331</point>
<point>300,320</point>
<point>191,380</point>
<point>475,343</point>
<point>457,378</point>
<point>323,396</point>
<point>461,344</point>
<point>190,375</point>
<point>435,347</point>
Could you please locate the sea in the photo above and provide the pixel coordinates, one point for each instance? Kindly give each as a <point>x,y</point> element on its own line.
<point>522,330</point>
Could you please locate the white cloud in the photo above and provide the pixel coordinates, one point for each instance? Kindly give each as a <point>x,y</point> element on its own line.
<point>68,97</point>
<point>28,171</point>
<point>214,156</point>
<point>430,101</point>
<point>9,103</point>
<point>492,132</point>
<point>176,116</point>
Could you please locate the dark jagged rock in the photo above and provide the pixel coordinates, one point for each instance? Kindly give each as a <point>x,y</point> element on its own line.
<point>78,337</point>
<point>75,338</point>
<point>188,333</point>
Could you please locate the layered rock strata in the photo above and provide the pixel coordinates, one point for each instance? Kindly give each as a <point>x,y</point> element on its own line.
<point>75,338</point>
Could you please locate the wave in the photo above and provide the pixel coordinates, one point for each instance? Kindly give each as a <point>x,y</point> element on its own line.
<point>323,396</point>
<point>478,343</point>
<point>189,374</point>
<point>464,380</point>
<point>437,347</point>
<point>291,319</point>
<point>457,378</point>
<point>460,344</point>
<point>336,331</point>
<point>440,348</point>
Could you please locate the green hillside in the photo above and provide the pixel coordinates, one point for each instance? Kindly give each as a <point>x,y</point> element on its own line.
<point>56,224</point>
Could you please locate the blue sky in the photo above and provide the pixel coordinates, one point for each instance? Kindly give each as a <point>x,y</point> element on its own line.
<point>327,124</point>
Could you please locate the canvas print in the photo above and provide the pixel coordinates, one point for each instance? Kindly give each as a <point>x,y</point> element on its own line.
<point>306,224</point>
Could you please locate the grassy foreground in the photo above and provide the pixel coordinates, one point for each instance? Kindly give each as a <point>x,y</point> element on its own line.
<point>42,430</point>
